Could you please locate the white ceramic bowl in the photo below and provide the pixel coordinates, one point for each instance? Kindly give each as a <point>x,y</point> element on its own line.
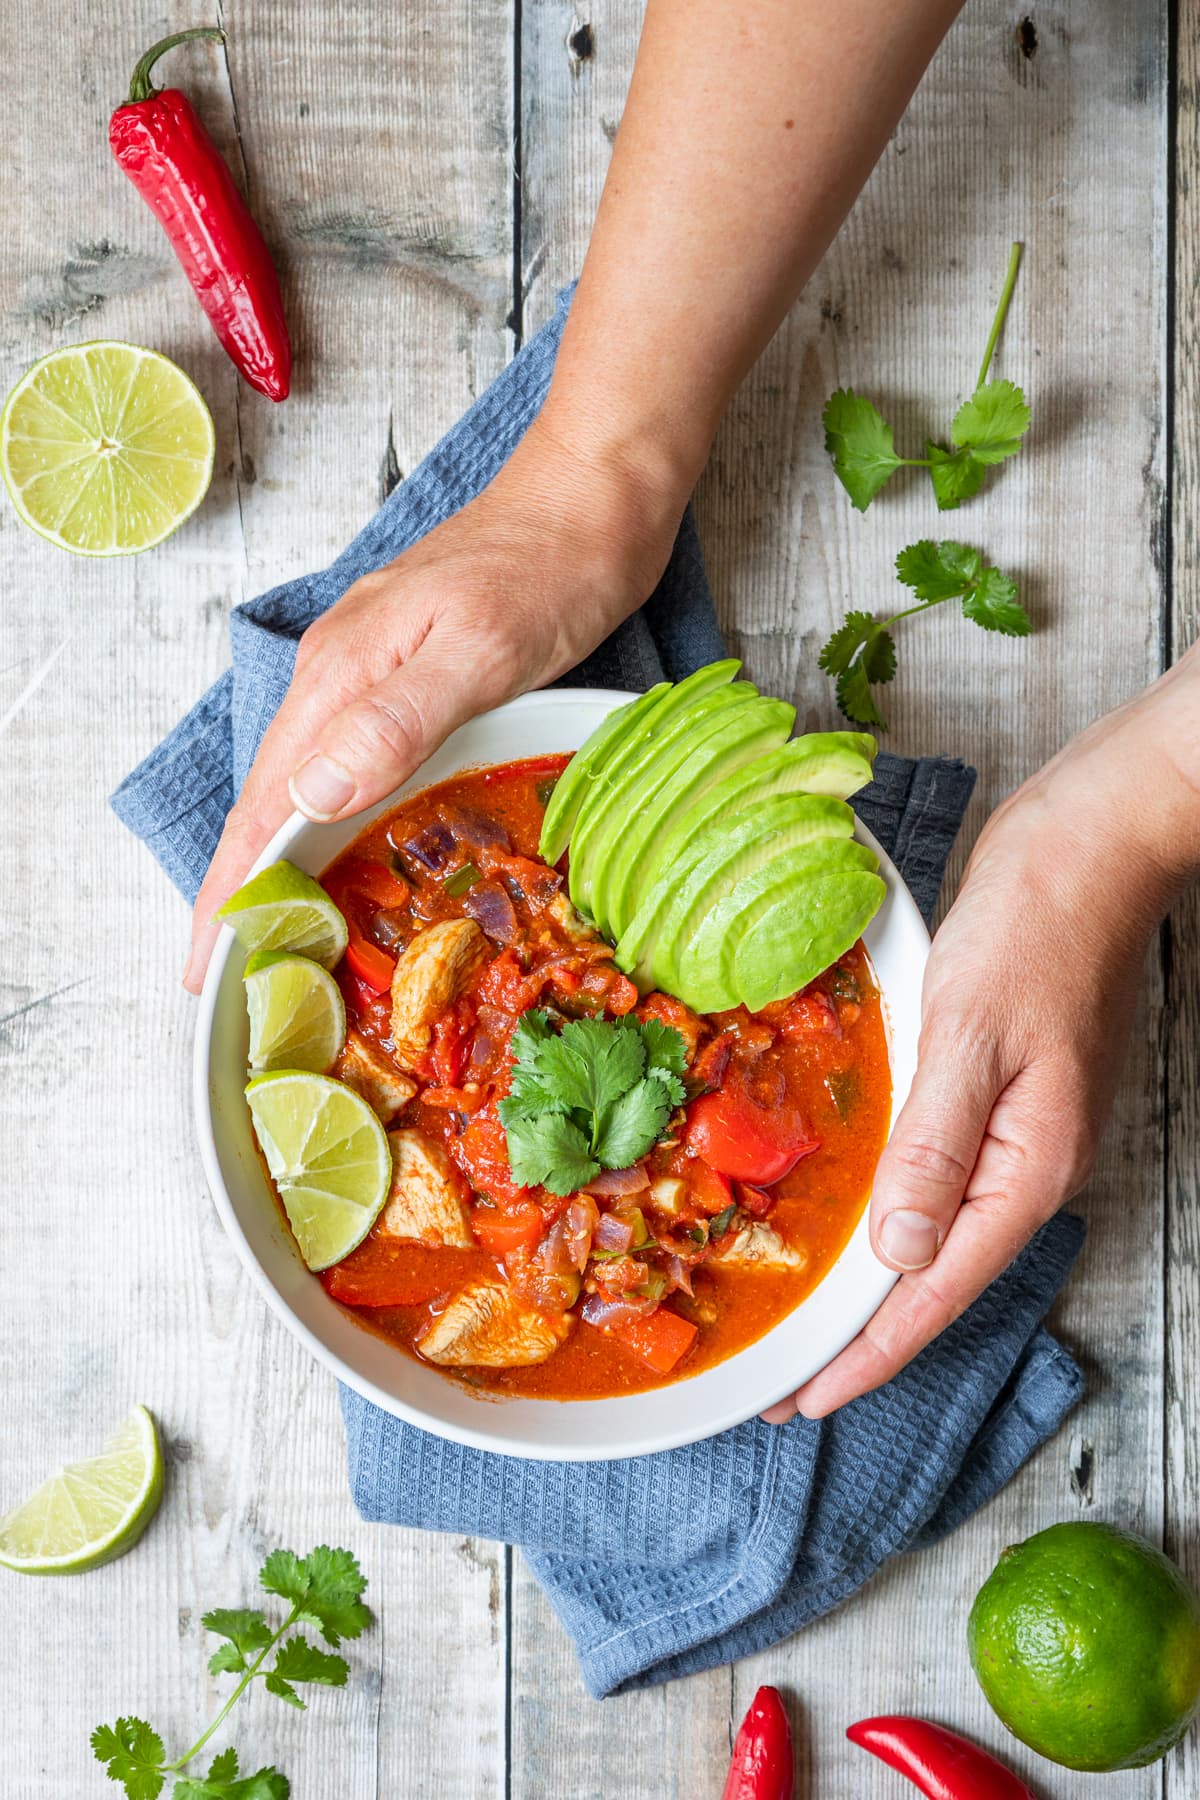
<point>796,1348</point>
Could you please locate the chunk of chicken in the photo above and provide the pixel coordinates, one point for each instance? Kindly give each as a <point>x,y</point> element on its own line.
<point>363,1066</point>
<point>430,976</point>
<point>567,919</point>
<point>760,1246</point>
<point>489,1326</point>
<point>428,1198</point>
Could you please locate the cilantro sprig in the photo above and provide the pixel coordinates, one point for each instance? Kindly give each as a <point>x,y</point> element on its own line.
<point>595,1095</point>
<point>986,430</point>
<point>325,1591</point>
<point>861,654</point>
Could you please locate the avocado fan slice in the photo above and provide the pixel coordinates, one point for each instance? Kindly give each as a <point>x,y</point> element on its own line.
<point>706,969</point>
<point>693,762</point>
<point>607,796</point>
<point>571,786</point>
<point>821,762</point>
<point>730,849</point>
<point>801,934</point>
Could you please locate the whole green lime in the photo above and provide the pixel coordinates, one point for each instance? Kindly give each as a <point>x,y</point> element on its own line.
<point>1086,1641</point>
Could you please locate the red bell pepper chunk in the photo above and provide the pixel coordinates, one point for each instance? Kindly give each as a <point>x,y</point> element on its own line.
<point>662,1340</point>
<point>359,887</point>
<point>941,1764</point>
<point>763,1767</point>
<point>514,1228</point>
<point>745,1141</point>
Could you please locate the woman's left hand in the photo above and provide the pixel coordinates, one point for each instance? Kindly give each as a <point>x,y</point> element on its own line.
<point>1027,1003</point>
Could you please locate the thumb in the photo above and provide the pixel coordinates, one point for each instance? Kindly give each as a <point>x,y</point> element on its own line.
<point>376,742</point>
<point>928,1160</point>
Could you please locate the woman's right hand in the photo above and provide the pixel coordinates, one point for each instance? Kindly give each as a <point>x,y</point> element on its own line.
<point>506,595</point>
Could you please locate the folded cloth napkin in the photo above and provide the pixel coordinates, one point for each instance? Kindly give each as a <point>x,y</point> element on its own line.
<point>659,1565</point>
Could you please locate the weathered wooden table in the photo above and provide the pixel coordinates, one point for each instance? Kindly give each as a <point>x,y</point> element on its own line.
<point>426,173</point>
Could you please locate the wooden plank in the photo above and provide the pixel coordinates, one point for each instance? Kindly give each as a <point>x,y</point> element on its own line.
<point>375,151</point>
<point>1057,138</point>
<point>1181,939</point>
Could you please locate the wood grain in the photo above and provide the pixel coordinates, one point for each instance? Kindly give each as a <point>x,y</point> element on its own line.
<point>401,186</point>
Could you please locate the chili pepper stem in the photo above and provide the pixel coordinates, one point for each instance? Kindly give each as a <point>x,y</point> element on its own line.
<point>140,86</point>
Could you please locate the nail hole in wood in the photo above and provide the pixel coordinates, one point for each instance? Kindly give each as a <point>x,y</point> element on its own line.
<point>1027,38</point>
<point>582,43</point>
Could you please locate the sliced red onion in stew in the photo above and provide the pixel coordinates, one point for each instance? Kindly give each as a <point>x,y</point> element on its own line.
<point>474,829</point>
<point>492,910</point>
<point>613,1233</point>
<point>619,1181</point>
<point>432,847</point>
<point>599,1311</point>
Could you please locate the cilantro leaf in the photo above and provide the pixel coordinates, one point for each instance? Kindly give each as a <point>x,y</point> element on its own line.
<point>956,475</point>
<point>324,1587</point>
<point>283,1690</point>
<point>877,663</point>
<point>222,1783</point>
<point>993,603</point>
<point>666,1057</point>
<point>992,422</point>
<point>938,571</point>
<point>247,1632</point>
<point>298,1660</point>
<point>633,1123</point>
<point>839,651</point>
<point>527,1091</point>
<point>590,1064</point>
<point>132,1753</point>
<point>550,1151</point>
<point>861,443</point>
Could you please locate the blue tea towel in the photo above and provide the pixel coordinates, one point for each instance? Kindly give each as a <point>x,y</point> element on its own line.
<point>659,1565</point>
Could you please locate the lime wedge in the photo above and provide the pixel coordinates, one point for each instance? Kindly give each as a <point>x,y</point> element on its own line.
<point>106,448</point>
<point>91,1511</point>
<point>285,909</point>
<point>297,1014</point>
<point>328,1156</point>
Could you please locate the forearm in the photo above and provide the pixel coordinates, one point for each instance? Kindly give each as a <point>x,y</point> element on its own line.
<point>747,135</point>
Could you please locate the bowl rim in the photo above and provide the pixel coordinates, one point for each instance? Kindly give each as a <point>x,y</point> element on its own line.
<point>874,1287</point>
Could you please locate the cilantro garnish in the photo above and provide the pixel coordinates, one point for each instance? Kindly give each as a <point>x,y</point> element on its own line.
<point>986,429</point>
<point>325,1590</point>
<point>861,654</point>
<point>595,1095</point>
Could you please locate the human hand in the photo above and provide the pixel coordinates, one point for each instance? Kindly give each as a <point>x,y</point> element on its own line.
<point>1026,1009</point>
<point>504,596</point>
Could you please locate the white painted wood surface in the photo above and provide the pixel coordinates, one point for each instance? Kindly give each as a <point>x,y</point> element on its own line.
<point>379,149</point>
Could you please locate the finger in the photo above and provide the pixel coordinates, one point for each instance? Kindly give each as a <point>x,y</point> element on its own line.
<point>376,742</point>
<point>1016,1185</point>
<point>261,808</point>
<point>927,1162</point>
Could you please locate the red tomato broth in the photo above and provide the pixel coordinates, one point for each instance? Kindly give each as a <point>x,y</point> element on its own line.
<point>824,1054</point>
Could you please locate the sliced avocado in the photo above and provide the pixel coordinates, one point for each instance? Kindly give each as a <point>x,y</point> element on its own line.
<point>693,762</point>
<point>607,801</point>
<point>681,900</point>
<point>824,762</point>
<point>807,928</point>
<point>706,969</point>
<point>572,784</point>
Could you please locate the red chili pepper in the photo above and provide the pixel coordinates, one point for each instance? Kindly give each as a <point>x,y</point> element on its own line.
<point>158,139</point>
<point>763,1767</point>
<point>943,1765</point>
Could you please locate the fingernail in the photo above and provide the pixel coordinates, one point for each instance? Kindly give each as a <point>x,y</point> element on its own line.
<point>909,1239</point>
<point>321,787</point>
<point>187,967</point>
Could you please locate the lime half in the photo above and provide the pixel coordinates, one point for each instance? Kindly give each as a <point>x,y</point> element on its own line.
<point>328,1156</point>
<point>285,909</point>
<point>297,1014</point>
<point>91,1511</point>
<point>106,448</point>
